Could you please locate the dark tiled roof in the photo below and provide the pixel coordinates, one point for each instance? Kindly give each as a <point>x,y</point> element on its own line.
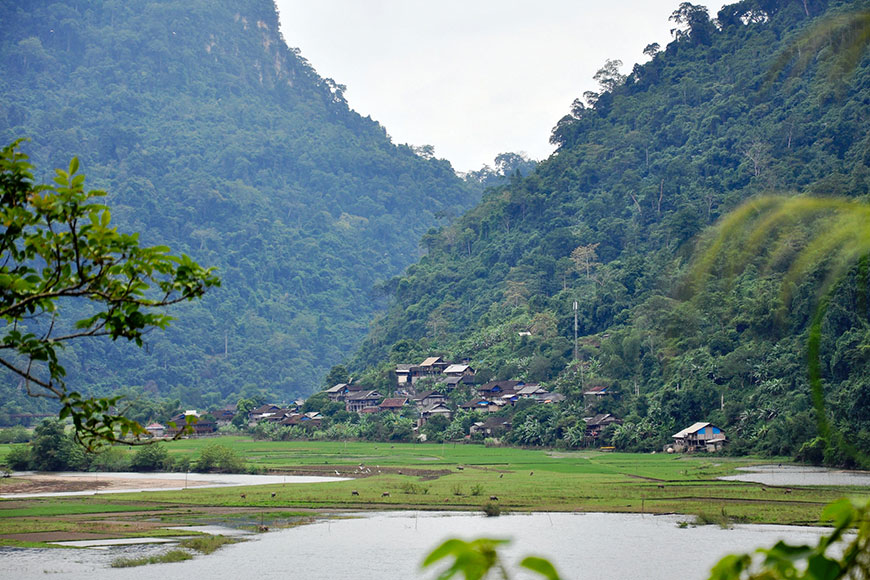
<point>393,403</point>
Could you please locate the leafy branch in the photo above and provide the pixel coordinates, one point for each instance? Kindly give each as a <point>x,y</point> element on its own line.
<point>58,244</point>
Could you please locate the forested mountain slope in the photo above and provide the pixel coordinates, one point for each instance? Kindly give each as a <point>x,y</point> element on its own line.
<point>213,137</point>
<point>612,220</point>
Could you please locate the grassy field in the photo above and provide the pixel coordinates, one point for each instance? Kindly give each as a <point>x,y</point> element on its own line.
<point>428,477</point>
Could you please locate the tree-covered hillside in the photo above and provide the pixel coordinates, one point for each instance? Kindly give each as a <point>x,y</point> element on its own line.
<point>613,219</point>
<point>213,137</point>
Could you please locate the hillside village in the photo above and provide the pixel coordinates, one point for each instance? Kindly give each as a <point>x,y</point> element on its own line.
<point>433,392</point>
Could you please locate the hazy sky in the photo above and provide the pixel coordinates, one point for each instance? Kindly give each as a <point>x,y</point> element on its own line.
<point>473,78</point>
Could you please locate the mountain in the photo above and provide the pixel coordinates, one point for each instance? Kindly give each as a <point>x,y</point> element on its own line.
<point>612,222</point>
<point>215,138</point>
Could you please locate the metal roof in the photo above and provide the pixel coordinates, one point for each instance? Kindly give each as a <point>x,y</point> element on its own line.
<point>689,430</point>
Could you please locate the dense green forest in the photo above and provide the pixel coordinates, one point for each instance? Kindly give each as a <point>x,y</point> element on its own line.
<point>613,220</point>
<point>213,137</point>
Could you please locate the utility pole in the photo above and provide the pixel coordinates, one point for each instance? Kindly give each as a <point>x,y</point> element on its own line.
<point>575,331</point>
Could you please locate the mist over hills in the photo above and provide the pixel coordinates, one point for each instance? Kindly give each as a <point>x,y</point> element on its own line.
<point>213,137</point>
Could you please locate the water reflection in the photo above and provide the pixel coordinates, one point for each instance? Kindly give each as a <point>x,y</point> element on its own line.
<point>391,545</point>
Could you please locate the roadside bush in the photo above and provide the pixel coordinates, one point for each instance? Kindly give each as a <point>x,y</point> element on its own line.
<point>220,459</point>
<point>18,458</point>
<point>153,457</point>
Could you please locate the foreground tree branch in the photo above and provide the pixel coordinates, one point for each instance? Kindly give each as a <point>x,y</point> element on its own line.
<point>56,244</point>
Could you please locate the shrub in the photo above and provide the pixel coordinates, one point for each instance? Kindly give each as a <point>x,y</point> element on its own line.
<point>220,459</point>
<point>18,458</point>
<point>491,509</point>
<point>207,544</point>
<point>110,459</point>
<point>153,457</point>
<point>170,556</point>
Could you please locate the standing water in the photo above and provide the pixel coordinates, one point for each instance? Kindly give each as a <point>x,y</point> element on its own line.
<point>391,545</point>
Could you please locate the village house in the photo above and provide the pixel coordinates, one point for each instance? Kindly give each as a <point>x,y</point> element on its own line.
<point>436,369</point>
<point>403,374</point>
<point>492,427</point>
<point>428,398</point>
<point>595,425</point>
<point>461,370</point>
<point>597,391</point>
<point>394,404</point>
<point>201,424</point>
<point>358,401</point>
<point>156,429</point>
<point>549,398</point>
<point>224,416</point>
<point>277,416</point>
<point>434,365</point>
<point>698,437</point>
<point>530,391</point>
<point>433,410</point>
<point>261,412</point>
<point>456,381</point>
<point>312,420</point>
<point>483,405</point>
<point>497,389</point>
<point>340,392</point>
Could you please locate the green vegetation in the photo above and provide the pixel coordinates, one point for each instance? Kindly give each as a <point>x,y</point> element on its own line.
<point>151,458</point>
<point>170,556</point>
<point>840,554</point>
<point>611,221</point>
<point>58,247</point>
<point>425,477</point>
<point>207,544</point>
<point>214,137</point>
<point>220,458</point>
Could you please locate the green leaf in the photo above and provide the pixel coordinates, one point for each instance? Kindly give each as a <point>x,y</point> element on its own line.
<point>821,568</point>
<point>730,567</point>
<point>842,512</point>
<point>542,566</point>
<point>783,551</point>
<point>449,547</point>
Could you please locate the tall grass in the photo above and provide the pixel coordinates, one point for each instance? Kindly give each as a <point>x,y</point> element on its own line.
<point>170,556</point>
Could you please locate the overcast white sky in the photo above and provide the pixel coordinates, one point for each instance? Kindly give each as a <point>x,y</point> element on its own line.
<point>473,78</point>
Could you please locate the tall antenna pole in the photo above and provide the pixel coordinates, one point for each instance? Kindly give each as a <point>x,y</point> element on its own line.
<point>575,331</point>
